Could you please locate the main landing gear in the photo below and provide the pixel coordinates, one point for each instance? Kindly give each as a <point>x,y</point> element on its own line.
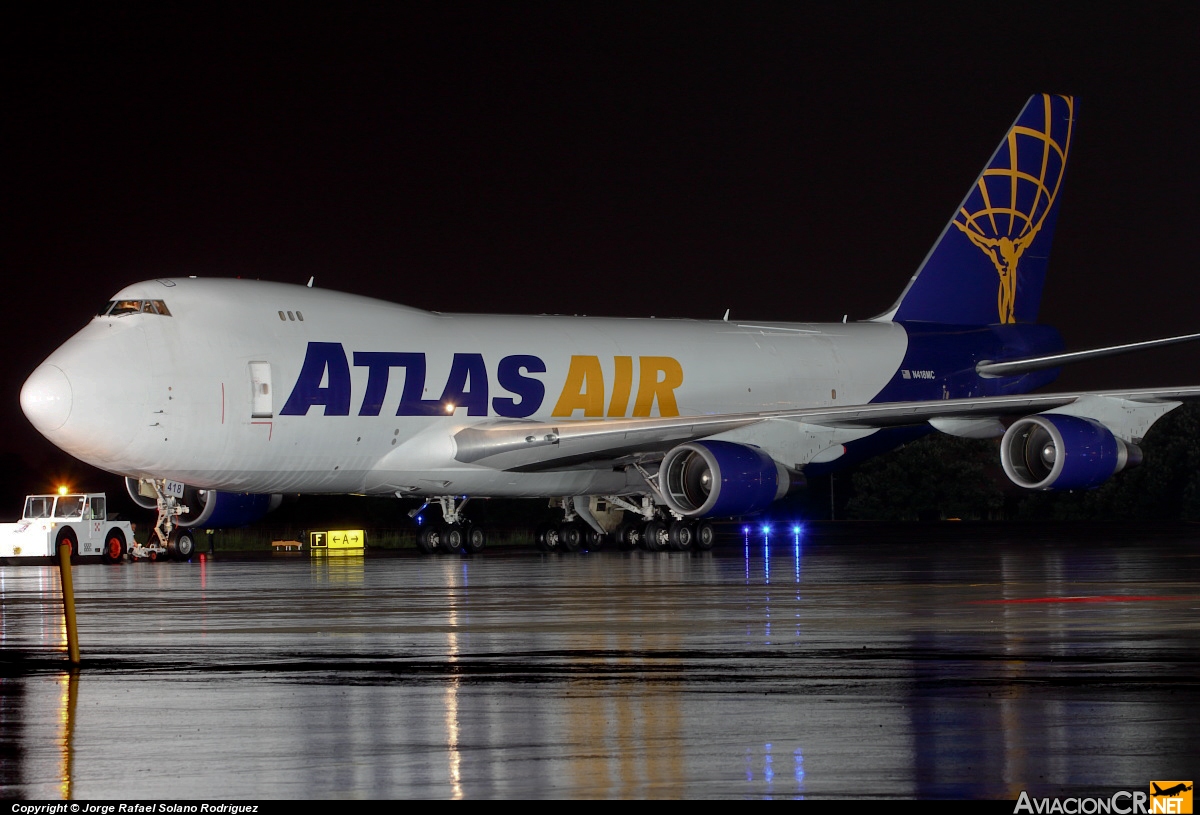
<point>454,534</point>
<point>660,535</point>
<point>589,523</point>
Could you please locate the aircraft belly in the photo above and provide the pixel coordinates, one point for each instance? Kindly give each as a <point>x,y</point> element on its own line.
<point>478,481</point>
<point>488,483</point>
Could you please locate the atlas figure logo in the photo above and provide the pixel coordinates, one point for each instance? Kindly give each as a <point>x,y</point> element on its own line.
<point>1005,211</point>
<point>325,380</point>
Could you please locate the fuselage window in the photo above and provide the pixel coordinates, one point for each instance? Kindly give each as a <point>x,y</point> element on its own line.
<point>291,317</point>
<point>281,317</point>
<point>299,316</point>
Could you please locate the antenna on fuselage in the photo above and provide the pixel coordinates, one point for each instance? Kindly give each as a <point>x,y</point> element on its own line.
<point>726,317</point>
<point>310,281</point>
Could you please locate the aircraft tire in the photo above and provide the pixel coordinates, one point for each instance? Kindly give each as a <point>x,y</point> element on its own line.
<point>680,535</point>
<point>181,545</point>
<point>114,546</point>
<point>452,539</point>
<point>546,538</point>
<point>427,539</point>
<point>654,538</point>
<point>474,538</point>
<point>629,536</point>
<point>593,540</point>
<point>570,537</point>
<point>705,536</point>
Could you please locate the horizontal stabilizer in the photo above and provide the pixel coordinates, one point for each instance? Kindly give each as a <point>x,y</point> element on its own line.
<point>1014,367</point>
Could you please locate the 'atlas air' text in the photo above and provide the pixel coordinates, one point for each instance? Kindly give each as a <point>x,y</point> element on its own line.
<point>325,381</point>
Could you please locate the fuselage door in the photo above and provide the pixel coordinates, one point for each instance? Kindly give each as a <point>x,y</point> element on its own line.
<point>260,388</point>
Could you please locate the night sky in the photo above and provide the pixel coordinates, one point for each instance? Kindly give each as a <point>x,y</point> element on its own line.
<point>786,161</point>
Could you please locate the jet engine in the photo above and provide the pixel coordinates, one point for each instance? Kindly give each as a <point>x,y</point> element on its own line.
<point>720,478</point>
<point>1053,451</point>
<point>210,509</point>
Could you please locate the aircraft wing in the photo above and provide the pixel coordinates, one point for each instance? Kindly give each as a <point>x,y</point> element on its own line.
<point>531,446</point>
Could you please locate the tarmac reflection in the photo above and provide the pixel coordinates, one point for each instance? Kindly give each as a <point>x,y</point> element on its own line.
<point>788,662</point>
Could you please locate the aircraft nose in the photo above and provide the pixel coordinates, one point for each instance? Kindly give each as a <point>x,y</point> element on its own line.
<point>89,397</point>
<point>46,398</point>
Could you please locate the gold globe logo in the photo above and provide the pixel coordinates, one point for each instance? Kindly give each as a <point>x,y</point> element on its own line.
<point>1013,202</point>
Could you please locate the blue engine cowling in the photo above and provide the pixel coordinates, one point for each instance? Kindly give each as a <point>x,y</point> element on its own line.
<point>1052,451</point>
<point>719,478</point>
<point>210,509</point>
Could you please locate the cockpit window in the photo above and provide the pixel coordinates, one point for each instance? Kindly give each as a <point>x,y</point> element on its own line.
<point>125,307</point>
<point>104,308</point>
<point>119,308</point>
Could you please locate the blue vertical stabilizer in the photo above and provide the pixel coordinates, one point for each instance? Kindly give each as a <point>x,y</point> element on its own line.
<point>990,261</point>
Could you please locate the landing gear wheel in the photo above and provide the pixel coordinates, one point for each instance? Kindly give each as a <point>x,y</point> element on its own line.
<point>680,536</point>
<point>629,536</point>
<point>114,546</point>
<point>182,545</point>
<point>474,539</point>
<point>570,537</point>
<point>594,540</point>
<point>705,536</point>
<point>655,537</point>
<point>546,538</point>
<point>452,539</point>
<point>428,539</point>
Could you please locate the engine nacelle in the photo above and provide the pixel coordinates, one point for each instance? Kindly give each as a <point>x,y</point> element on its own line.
<point>1053,451</point>
<point>211,509</point>
<point>719,478</point>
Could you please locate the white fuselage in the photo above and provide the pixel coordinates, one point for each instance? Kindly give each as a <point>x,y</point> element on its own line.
<point>211,395</point>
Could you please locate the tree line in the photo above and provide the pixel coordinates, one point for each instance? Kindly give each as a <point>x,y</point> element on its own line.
<point>941,476</point>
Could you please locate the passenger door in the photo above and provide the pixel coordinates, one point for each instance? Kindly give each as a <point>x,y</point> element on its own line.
<point>261,399</point>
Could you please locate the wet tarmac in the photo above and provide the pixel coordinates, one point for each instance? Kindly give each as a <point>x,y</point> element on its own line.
<point>951,661</point>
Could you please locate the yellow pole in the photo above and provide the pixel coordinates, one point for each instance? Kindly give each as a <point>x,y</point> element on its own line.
<point>64,564</point>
